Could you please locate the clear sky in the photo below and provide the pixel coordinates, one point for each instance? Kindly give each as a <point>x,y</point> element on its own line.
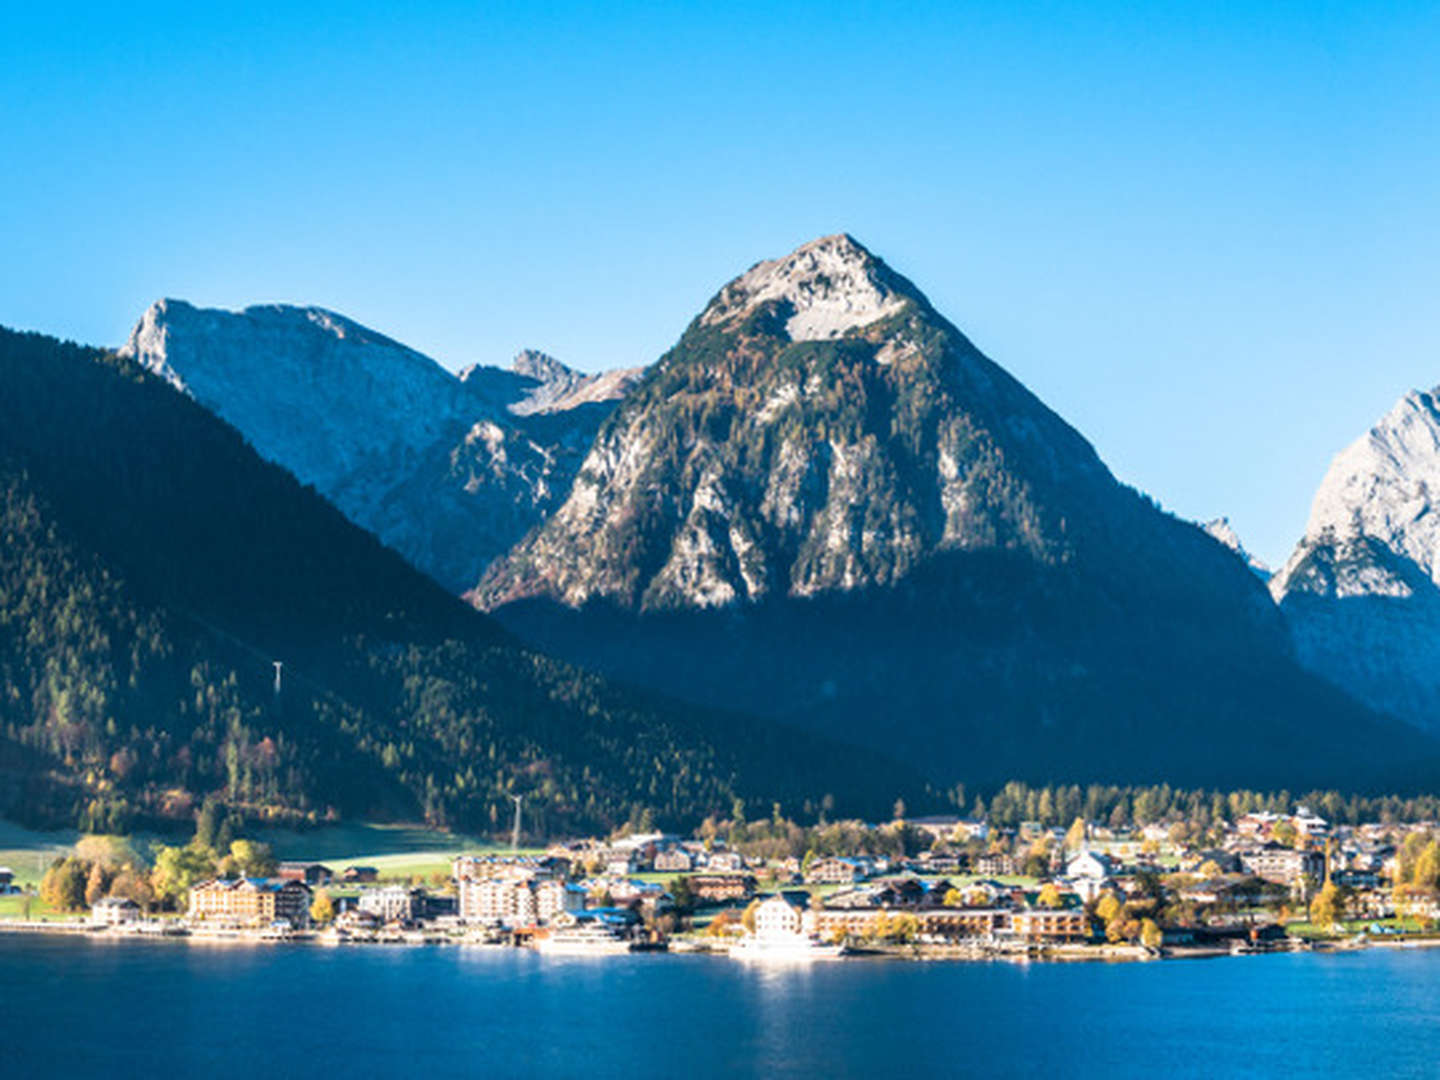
<point>1206,234</point>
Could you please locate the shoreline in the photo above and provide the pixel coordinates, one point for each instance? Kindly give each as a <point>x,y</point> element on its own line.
<point>959,952</point>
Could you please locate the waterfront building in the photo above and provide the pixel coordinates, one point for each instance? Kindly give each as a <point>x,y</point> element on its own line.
<point>250,902</point>
<point>393,903</point>
<point>115,911</point>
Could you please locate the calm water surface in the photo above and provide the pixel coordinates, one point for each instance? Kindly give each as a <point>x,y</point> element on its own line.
<point>150,1009</point>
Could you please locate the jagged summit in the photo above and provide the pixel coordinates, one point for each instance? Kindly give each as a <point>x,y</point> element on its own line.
<point>534,364</point>
<point>1381,486</point>
<point>826,288</point>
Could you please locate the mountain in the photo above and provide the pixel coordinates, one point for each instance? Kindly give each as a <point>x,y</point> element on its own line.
<point>1221,529</point>
<point>1360,590</point>
<point>825,504</point>
<point>448,470</point>
<point>154,568</point>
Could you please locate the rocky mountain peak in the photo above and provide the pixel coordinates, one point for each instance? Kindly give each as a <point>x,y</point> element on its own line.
<point>1360,590</point>
<point>534,364</point>
<point>1221,529</point>
<point>825,288</point>
<point>1384,484</point>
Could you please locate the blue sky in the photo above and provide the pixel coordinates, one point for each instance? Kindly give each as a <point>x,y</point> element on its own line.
<point>1207,234</point>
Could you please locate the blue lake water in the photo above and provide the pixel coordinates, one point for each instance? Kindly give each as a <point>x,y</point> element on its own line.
<point>148,1009</point>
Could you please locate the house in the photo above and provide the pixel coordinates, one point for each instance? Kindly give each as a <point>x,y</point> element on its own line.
<point>775,917</point>
<point>310,873</point>
<point>996,864</point>
<point>393,903</point>
<point>114,911</point>
<point>250,902</point>
<point>731,861</point>
<point>1051,924</point>
<point>836,871</point>
<point>1281,864</point>
<point>675,861</point>
<point>621,861</point>
<point>719,888</point>
<point>1090,873</point>
<point>360,875</point>
<point>7,880</point>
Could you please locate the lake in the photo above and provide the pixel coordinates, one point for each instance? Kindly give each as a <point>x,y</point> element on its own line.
<point>175,1009</point>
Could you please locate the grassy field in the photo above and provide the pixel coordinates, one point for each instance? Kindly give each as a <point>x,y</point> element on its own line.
<point>397,851</point>
<point>1407,927</point>
<point>29,853</point>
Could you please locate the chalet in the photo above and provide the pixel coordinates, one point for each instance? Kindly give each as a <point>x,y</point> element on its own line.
<point>836,871</point>
<point>308,873</point>
<point>7,879</point>
<point>675,861</point>
<point>719,888</point>
<point>996,864</point>
<point>728,861</point>
<point>360,875</point>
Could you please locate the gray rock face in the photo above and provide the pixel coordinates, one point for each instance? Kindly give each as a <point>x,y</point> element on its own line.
<point>449,471</point>
<point>825,504</point>
<point>1360,590</point>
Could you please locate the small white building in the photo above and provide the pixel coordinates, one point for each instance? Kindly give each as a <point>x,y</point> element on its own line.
<point>115,911</point>
<point>392,903</point>
<point>1090,873</point>
<point>775,917</point>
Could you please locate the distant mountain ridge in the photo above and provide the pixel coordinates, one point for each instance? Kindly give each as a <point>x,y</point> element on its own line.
<point>824,503</point>
<point>449,470</point>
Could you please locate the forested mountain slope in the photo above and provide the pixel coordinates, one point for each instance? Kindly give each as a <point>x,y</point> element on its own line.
<point>153,568</point>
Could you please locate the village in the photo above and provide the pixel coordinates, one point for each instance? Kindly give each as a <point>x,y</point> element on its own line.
<point>956,887</point>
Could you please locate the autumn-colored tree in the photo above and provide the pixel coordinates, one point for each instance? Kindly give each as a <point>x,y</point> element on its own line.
<point>96,884</point>
<point>1325,907</point>
<point>1075,836</point>
<point>1108,907</point>
<point>1049,896</point>
<point>176,869</point>
<point>953,898</point>
<point>254,859</point>
<point>63,886</point>
<point>1150,934</point>
<point>747,918</point>
<point>322,908</point>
